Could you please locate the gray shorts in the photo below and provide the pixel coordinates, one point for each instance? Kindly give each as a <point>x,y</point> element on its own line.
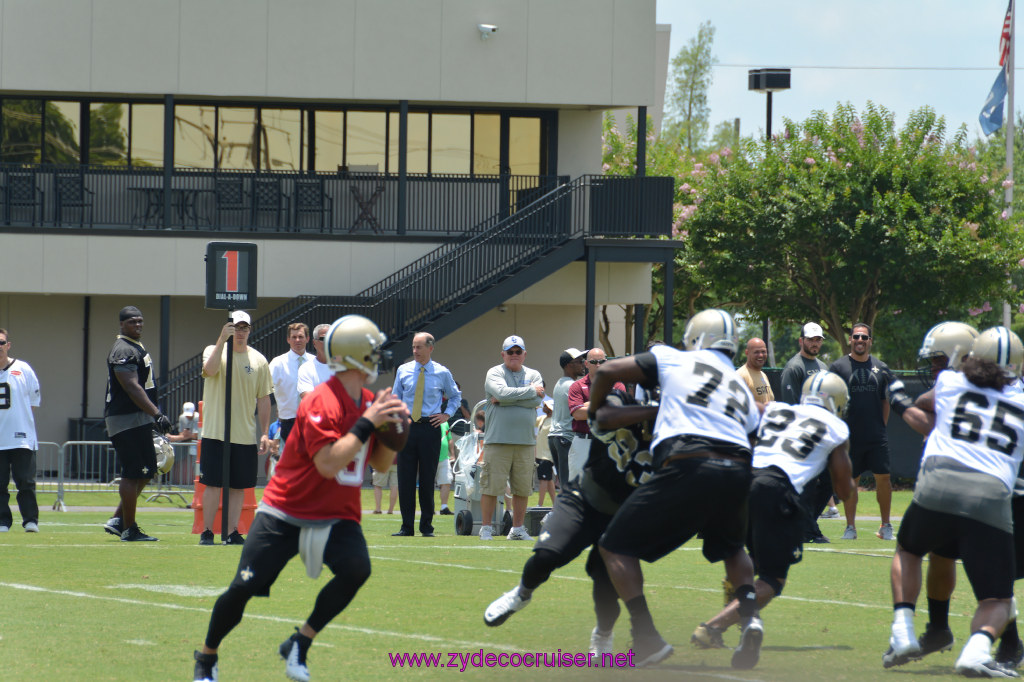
<point>945,485</point>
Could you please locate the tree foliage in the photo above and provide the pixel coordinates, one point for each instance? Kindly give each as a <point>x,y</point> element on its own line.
<point>689,113</point>
<point>842,218</point>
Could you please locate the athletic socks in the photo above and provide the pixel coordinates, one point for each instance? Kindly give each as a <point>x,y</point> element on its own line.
<point>903,635</point>
<point>748,601</point>
<point>938,613</point>
<point>640,616</point>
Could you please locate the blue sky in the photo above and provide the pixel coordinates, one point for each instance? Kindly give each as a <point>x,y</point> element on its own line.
<point>940,34</point>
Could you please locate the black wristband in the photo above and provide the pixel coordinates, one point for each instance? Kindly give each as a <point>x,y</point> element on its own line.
<point>362,429</point>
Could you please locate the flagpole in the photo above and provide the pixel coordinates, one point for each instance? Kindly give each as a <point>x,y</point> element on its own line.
<point>1010,123</point>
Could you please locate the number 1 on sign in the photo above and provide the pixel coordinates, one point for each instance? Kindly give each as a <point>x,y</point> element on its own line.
<point>231,274</point>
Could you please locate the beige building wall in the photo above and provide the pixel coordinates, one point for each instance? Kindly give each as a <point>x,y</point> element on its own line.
<point>570,52</point>
<point>51,333</point>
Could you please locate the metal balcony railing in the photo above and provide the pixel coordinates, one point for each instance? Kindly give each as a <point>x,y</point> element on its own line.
<point>112,197</point>
<point>452,274</point>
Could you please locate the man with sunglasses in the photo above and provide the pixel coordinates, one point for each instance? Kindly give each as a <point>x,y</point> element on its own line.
<point>579,403</point>
<point>867,414</point>
<point>314,373</point>
<point>251,387</point>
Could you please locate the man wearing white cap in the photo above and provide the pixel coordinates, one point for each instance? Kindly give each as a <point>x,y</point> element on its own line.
<point>817,492</point>
<point>560,435</point>
<point>251,387</point>
<point>513,393</point>
<point>187,429</point>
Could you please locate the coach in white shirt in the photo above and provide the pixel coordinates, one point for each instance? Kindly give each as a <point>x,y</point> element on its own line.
<point>312,374</point>
<point>284,372</point>
<point>18,437</point>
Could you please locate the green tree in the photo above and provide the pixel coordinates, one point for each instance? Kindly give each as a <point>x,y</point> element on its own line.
<point>689,113</point>
<point>107,141</point>
<point>843,217</point>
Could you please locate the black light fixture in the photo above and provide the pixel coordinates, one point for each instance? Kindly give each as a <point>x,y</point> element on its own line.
<point>768,81</point>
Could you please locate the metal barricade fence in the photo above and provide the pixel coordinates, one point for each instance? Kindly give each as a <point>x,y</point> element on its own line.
<point>91,466</point>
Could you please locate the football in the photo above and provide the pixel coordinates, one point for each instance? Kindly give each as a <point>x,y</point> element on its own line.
<point>393,435</point>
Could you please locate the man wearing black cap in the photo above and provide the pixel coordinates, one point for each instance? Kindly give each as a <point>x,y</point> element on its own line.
<point>560,435</point>
<point>130,412</point>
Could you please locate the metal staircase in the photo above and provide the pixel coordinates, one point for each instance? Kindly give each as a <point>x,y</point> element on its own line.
<point>460,280</point>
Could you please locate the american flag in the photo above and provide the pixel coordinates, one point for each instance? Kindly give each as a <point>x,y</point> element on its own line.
<point>1004,37</point>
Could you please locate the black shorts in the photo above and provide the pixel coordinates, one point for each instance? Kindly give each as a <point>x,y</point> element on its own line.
<point>244,464</point>
<point>775,536</point>
<point>873,458</point>
<point>573,526</point>
<point>271,543</point>
<point>986,551</point>
<point>1018,534</point>
<point>685,497</point>
<point>545,469</point>
<point>136,452</point>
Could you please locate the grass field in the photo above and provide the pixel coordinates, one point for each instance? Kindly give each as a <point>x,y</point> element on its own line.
<point>80,605</point>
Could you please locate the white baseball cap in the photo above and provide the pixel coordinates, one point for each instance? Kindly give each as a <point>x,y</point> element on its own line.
<point>513,341</point>
<point>188,409</point>
<point>240,316</point>
<point>812,330</point>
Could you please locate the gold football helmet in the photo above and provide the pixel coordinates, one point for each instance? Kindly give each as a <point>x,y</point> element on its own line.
<point>711,329</point>
<point>1001,346</point>
<point>828,390</point>
<point>354,342</point>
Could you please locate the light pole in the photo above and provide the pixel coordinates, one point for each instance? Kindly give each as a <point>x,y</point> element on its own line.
<point>768,81</point>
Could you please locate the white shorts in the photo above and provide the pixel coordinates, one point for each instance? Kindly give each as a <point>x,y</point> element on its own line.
<point>578,453</point>
<point>444,473</point>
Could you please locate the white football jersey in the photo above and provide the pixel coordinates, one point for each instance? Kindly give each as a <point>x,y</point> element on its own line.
<point>19,393</point>
<point>701,395</point>
<point>798,439</point>
<point>981,428</point>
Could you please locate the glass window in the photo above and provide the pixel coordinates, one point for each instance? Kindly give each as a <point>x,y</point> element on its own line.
<point>22,131</point>
<point>236,133</point>
<point>524,145</point>
<point>364,141</point>
<point>417,145</point>
<point>449,143</point>
<point>487,144</point>
<point>108,133</point>
<point>281,142</point>
<point>147,135</point>
<point>329,147</point>
<point>61,139</point>
<point>193,136</point>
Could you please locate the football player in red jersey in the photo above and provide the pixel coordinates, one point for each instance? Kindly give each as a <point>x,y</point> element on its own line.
<point>311,505</point>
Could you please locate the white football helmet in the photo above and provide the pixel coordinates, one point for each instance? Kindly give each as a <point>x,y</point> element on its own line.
<point>164,453</point>
<point>828,390</point>
<point>951,340</point>
<point>1001,346</point>
<point>712,329</point>
<point>354,342</point>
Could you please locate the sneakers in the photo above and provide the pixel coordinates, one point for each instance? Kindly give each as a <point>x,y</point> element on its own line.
<point>884,532</point>
<point>445,511</point>
<point>1009,656</point>
<point>503,607</point>
<point>486,533</point>
<point>989,668</point>
<point>707,637</point>
<point>850,533</point>
<point>820,539</point>
<point>206,537</point>
<point>519,533</point>
<point>935,639</point>
<point>601,644</point>
<point>650,649</point>
<point>234,539</point>
<point>894,655</point>
<point>831,513</point>
<point>31,527</point>
<point>206,667</point>
<point>113,526</point>
<point>745,656</point>
<point>4,529</point>
<point>135,534</point>
<point>293,650</point>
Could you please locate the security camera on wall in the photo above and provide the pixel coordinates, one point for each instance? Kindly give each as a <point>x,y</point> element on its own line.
<point>486,30</point>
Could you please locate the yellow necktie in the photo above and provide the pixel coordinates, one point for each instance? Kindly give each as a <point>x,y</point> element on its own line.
<point>417,402</point>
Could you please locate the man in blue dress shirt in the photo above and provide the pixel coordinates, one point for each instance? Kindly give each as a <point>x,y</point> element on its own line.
<point>422,385</point>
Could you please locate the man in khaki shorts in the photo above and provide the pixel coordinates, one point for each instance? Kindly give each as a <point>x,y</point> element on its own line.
<point>513,393</point>
<point>385,479</point>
